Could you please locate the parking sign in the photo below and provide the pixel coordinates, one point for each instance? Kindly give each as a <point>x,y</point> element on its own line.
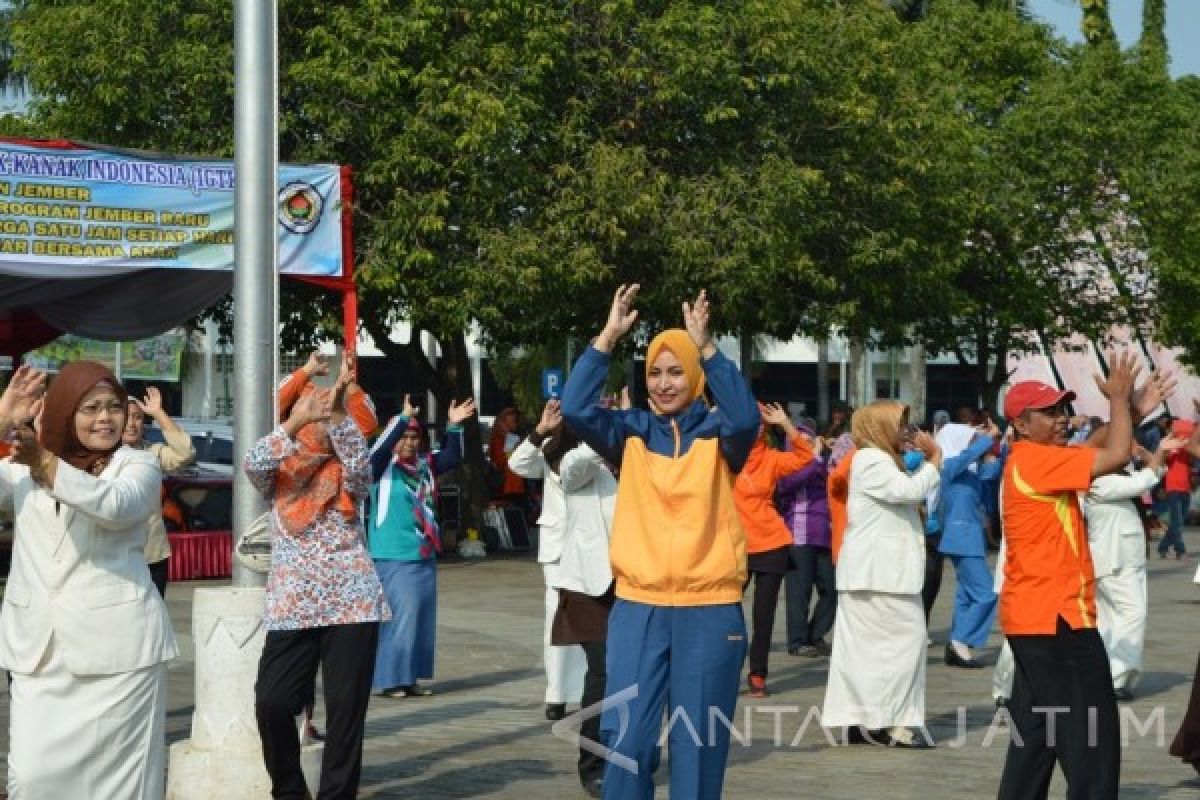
<point>552,382</point>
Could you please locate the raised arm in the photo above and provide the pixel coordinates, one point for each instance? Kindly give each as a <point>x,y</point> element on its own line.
<point>602,428</point>
<point>381,451</point>
<point>351,448</point>
<point>113,503</point>
<point>1117,447</point>
<point>879,477</point>
<point>451,454</point>
<point>735,402</point>
<point>579,467</point>
<point>177,450</point>
<point>953,467</point>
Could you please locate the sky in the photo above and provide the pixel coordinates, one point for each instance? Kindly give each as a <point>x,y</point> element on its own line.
<point>1183,26</point>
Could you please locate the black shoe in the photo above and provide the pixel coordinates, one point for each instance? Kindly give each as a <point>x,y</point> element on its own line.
<point>594,787</point>
<point>857,734</point>
<point>953,659</point>
<point>1001,702</point>
<point>1124,695</point>
<point>556,711</point>
<point>822,649</point>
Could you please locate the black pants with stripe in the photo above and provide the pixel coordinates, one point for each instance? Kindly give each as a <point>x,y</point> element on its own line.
<point>1064,710</point>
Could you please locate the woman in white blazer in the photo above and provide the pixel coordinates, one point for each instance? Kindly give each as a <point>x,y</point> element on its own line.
<point>565,666</point>
<point>877,669</point>
<point>83,633</point>
<point>1118,542</point>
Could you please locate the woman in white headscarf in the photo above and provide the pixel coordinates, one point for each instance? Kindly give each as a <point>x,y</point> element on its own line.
<point>961,519</point>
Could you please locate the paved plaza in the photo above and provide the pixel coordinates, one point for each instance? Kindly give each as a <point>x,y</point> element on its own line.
<point>483,735</point>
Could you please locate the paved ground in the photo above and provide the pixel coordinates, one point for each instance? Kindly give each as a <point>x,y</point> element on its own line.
<point>483,734</point>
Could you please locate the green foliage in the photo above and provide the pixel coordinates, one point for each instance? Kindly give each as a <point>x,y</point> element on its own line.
<point>815,164</point>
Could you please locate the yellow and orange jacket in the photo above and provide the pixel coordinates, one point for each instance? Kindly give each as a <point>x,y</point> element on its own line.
<point>676,536</point>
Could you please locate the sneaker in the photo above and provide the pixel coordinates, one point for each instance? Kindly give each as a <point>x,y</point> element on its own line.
<point>804,650</point>
<point>758,685</point>
<point>822,649</point>
<point>555,711</point>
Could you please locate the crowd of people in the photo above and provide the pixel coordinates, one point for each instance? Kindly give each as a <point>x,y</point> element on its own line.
<point>654,521</point>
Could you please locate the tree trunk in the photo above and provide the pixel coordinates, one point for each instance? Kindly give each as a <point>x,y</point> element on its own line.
<point>823,381</point>
<point>916,377</point>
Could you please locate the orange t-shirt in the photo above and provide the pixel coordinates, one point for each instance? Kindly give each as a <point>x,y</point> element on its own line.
<point>1048,568</point>
<point>754,493</point>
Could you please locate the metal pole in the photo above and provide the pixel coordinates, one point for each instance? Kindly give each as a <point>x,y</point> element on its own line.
<point>255,281</point>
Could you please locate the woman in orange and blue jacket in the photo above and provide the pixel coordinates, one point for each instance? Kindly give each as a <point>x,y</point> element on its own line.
<point>678,550</point>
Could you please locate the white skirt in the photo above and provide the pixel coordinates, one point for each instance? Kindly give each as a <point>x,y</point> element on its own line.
<point>100,737</point>
<point>877,670</point>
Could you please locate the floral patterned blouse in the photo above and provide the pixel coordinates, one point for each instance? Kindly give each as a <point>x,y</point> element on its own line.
<point>323,576</point>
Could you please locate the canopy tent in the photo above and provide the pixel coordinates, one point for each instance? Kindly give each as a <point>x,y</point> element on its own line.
<point>119,245</point>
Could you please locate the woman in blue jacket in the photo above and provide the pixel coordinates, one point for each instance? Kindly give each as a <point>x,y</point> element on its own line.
<point>676,633</point>
<point>960,513</point>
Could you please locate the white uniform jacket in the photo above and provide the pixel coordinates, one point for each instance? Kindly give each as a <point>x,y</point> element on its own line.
<point>884,546</point>
<point>78,573</point>
<point>528,462</point>
<point>591,493</point>
<point>1115,532</point>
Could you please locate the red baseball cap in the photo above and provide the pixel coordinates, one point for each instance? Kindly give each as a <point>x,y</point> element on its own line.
<point>1032,394</point>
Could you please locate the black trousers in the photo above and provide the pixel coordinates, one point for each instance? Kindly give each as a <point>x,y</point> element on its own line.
<point>158,574</point>
<point>934,562</point>
<point>591,766</point>
<point>813,568</point>
<point>286,673</point>
<point>1067,670</point>
<point>766,598</point>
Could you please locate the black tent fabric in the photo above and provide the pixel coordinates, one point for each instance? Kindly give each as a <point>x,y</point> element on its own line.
<point>117,307</point>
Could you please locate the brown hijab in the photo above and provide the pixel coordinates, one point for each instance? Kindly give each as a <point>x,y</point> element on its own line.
<point>879,424</point>
<point>66,392</point>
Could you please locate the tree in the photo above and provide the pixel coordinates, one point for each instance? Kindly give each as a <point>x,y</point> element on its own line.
<point>1028,265</point>
<point>1097,24</point>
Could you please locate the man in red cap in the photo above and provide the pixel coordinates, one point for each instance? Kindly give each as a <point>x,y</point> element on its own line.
<point>1048,603</point>
<point>1178,484</point>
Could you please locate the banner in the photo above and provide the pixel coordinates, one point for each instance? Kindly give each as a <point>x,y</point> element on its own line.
<point>72,211</point>
<point>156,359</point>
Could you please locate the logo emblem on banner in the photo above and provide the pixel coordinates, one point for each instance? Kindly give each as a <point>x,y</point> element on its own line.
<point>300,207</point>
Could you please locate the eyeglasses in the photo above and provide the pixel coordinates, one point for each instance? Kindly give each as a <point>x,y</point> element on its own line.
<point>113,407</point>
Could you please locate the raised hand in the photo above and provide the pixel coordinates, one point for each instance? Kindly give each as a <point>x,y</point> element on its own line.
<point>348,372</point>
<point>1172,444</point>
<point>458,412</point>
<point>152,404</point>
<point>773,414</point>
<point>408,409</point>
<point>314,406</point>
<point>989,428</point>
<point>924,441</point>
<point>317,364</point>
<point>1153,393</point>
<point>1122,376</point>
<point>25,389</point>
<point>695,320</point>
<point>551,418</point>
<point>621,317</point>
